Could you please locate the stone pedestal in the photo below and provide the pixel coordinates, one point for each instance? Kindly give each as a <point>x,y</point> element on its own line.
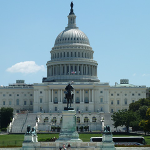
<point>30,141</point>
<point>68,131</point>
<point>107,142</point>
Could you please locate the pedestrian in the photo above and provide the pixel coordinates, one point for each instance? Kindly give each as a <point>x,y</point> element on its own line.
<point>64,147</point>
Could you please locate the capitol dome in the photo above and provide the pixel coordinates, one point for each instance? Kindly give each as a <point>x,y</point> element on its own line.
<point>71,56</point>
<point>72,36</point>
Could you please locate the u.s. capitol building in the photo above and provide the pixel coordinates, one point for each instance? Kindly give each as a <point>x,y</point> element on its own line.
<point>71,60</point>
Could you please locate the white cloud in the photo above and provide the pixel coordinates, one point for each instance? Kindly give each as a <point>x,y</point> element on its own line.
<point>145,75</point>
<point>26,67</point>
<point>134,75</point>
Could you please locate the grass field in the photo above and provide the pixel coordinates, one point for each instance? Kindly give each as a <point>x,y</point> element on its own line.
<point>15,140</point>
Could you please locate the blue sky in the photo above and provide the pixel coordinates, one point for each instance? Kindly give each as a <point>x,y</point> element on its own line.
<point>118,30</point>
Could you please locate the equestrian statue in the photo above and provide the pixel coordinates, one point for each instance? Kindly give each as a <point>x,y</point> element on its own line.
<point>69,94</point>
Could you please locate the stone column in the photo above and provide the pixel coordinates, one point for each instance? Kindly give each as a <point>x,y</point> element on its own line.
<point>65,69</point>
<point>89,96</point>
<point>61,95</point>
<point>52,96</point>
<point>53,70</point>
<point>92,95</point>
<point>74,92</point>
<point>96,70</point>
<point>80,96</point>
<point>69,69</point>
<point>83,95</point>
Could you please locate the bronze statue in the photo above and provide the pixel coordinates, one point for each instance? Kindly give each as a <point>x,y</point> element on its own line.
<point>107,128</point>
<point>69,94</point>
<point>71,10</point>
<point>28,129</point>
<point>71,5</point>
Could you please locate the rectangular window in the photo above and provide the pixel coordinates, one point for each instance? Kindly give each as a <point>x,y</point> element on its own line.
<point>101,100</point>
<point>17,101</point>
<point>101,91</point>
<point>25,102</point>
<point>139,94</point>
<point>118,102</point>
<point>112,110</point>
<point>3,95</point>
<point>30,94</point>
<point>9,102</point>
<point>9,94</point>
<point>78,54</point>
<point>71,54</point>
<point>55,108</point>
<point>86,108</point>
<point>64,54</point>
<point>86,100</point>
<point>75,54</point>
<point>132,101</point>
<point>24,94</point>
<point>17,94</point>
<point>55,100</point>
<point>40,100</point>
<point>112,102</point>
<point>125,101</point>
<point>40,92</point>
<point>111,94</point>
<point>3,102</point>
<point>30,102</point>
<point>67,54</point>
<point>77,100</point>
<point>55,92</point>
<point>86,91</point>
<point>132,94</point>
<point>117,94</point>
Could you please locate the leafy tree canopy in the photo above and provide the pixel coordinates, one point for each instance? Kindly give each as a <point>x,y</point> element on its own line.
<point>6,115</point>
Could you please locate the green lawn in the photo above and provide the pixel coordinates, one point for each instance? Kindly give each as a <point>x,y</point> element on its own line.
<point>13,140</point>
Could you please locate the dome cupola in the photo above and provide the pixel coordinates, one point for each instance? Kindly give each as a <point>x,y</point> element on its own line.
<point>71,56</point>
<point>71,34</point>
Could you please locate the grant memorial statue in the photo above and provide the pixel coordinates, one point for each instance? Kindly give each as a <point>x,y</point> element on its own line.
<point>68,131</point>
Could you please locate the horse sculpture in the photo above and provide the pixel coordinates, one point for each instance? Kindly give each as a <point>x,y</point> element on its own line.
<point>107,128</point>
<point>69,94</point>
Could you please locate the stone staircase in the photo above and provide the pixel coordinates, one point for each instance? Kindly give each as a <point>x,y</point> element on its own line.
<point>30,120</point>
<point>18,123</point>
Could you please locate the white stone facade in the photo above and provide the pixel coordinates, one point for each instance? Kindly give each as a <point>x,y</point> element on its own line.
<point>72,60</point>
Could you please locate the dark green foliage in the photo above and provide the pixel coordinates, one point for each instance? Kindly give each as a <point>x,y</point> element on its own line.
<point>123,117</point>
<point>6,115</point>
<point>132,117</point>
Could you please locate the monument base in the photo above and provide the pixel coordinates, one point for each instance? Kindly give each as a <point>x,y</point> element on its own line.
<point>30,140</point>
<point>107,142</point>
<point>68,131</point>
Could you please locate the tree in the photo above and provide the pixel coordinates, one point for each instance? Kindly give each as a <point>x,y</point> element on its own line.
<point>145,124</point>
<point>123,117</point>
<point>116,117</point>
<point>6,115</point>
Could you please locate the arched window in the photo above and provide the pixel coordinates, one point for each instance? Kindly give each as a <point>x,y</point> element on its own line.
<point>61,120</point>
<point>78,119</point>
<point>86,119</point>
<point>93,119</point>
<point>54,120</point>
<point>46,119</point>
